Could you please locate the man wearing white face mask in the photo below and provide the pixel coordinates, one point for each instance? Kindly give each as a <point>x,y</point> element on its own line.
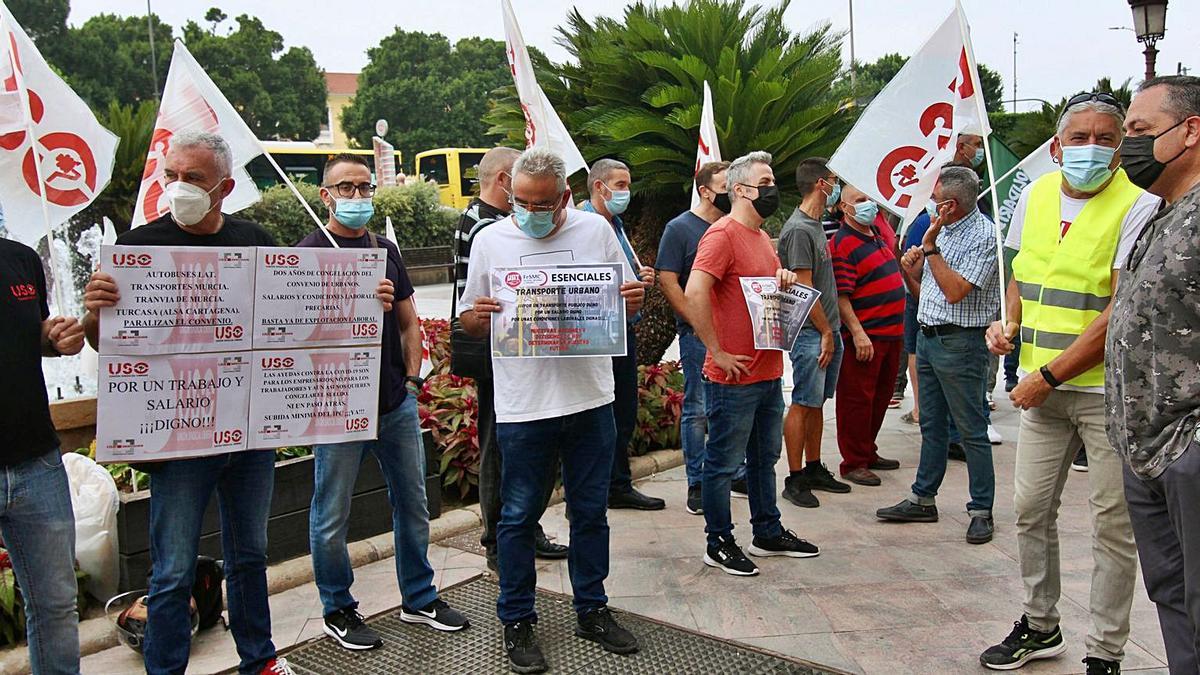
<point>1073,230</point>
<point>609,182</point>
<point>347,192</point>
<point>198,168</point>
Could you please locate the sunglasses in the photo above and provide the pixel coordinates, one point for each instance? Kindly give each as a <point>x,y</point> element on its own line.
<point>1099,97</point>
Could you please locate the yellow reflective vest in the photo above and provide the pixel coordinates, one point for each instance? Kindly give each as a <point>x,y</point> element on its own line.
<point>1066,284</point>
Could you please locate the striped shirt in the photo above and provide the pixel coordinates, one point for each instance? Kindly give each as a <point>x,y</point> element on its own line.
<point>969,248</point>
<point>866,270</point>
<point>478,210</point>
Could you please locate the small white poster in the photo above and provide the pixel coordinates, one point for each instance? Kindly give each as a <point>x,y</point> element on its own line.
<point>777,316</point>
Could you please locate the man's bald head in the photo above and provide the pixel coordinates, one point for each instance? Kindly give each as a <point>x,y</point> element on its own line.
<point>852,195</point>
<point>495,162</point>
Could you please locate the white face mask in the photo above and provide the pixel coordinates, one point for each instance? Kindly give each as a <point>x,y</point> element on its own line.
<point>189,203</point>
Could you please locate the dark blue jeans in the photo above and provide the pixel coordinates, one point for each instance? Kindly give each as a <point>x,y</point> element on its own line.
<point>625,408</point>
<point>952,378</point>
<point>745,423</point>
<point>179,493</point>
<point>401,456</point>
<point>693,423</point>
<point>583,442</point>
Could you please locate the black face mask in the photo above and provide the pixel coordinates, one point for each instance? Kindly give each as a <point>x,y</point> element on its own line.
<point>1138,160</point>
<point>767,201</point>
<point>721,201</point>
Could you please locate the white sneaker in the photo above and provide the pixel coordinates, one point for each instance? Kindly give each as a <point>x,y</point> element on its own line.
<point>991,401</point>
<point>994,436</point>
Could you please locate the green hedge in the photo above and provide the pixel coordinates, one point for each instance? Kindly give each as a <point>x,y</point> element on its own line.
<point>419,219</point>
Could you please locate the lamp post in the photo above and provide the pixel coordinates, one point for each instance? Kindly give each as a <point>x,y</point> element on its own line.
<point>1149,23</point>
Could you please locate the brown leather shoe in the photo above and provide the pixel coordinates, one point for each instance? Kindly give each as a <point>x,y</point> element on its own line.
<point>884,464</point>
<point>862,477</point>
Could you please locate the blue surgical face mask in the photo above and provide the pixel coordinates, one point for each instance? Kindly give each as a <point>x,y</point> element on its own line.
<point>537,224</point>
<point>834,196</point>
<point>979,157</point>
<point>865,212</point>
<point>931,209</point>
<point>618,202</point>
<point>1086,167</point>
<point>353,213</point>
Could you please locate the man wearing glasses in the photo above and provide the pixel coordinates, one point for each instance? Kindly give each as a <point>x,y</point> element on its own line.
<point>347,193</point>
<point>1072,230</point>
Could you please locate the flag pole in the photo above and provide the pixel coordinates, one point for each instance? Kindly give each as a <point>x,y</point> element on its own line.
<point>999,181</point>
<point>303,202</point>
<point>987,153</point>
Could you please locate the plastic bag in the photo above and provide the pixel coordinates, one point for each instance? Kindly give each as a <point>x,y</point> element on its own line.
<point>95,500</point>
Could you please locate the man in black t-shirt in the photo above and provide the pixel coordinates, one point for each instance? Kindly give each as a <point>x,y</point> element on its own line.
<point>197,174</point>
<point>348,192</point>
<point>36,520</point>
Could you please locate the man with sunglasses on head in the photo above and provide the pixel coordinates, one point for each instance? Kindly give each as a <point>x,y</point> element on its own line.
<point>198,179</point>
<point>676,253</point>
<point>1072,231</point>
<point>1152,380</point>
<point>347,192</point>
<point>609,184</point>
<point>550,409</point>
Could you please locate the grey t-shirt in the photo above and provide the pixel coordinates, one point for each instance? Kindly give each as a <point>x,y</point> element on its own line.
<point>803,246</point>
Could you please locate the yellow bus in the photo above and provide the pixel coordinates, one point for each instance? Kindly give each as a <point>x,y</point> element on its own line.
<point>300,160</point>
<point>456,172</point>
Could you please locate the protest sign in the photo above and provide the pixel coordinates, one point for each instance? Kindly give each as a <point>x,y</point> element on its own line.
<point>307,396</point>
<point>558,311</point>
<point>314,297</point>
<point>168,406</point>
<point>777,316</point>
<point>177,299</point>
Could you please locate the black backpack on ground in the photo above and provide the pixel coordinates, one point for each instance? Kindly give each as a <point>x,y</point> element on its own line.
<point>206,591</point>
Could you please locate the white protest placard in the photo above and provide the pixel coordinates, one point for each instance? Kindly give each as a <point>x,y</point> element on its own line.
<point>171,406</point>
<point>558,311</point>
<point>777,316</point>
<point>177,299</point>
<point>318,297</point>
<point>308,396</point>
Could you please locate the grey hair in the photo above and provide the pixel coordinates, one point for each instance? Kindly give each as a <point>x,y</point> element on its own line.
<point>1183,93</point>
<point>208,141</point>
<point>542,163</point>
<point>739,169</point>
<point>960,184</point>
<point>602,169</point>
<point>1093,106</point>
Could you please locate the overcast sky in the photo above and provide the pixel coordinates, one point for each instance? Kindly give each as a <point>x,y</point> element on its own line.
<point>1064,45</point>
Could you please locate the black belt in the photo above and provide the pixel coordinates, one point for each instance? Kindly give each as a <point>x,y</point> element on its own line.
<point>946,329</point>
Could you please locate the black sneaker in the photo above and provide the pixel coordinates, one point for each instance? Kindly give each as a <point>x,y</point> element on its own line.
<point>980,530</point>
<point>819,477</point>
<point>1099,666</point>
<point>695,502</point>
<point>1080,461</point>
<point>436,614</point>
<point>632,499</point>
<point>347,628</point>
<point>544,549</point>
<point>1023,645</point>
<point>728,557</point>
<point>786,544</point>
<point>957,452</point>
<point>908,512</point>
<point>796,491</point>
<point>524,654</point>
<point>600,627</point>
<point>739,489</point>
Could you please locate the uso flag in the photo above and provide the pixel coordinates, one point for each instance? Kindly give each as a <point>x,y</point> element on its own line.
<point>709,148</point>
<point>910,130</point>
<point>54,155</point>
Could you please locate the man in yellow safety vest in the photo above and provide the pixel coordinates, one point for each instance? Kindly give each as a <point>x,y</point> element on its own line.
<point>1072,230</point>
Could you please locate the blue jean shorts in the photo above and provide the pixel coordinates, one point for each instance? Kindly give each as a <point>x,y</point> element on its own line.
<point>812,385</point>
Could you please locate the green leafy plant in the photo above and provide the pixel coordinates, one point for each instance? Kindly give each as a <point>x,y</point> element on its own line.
<point>449,408</point>
<point>660,406</point>
<point>12,606</point>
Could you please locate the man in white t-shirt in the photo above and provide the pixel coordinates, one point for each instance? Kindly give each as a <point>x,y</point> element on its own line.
<point>549,406</point>
<point>1072,230</point>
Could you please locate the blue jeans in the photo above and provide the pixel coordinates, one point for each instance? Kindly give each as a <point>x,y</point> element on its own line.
<point>39,531</point>
<point>952,374</point>
<point>693,423</point>
<point>179,493</point>
<point>745,424</point>
<point>583,442</point>
<point>401,456</point>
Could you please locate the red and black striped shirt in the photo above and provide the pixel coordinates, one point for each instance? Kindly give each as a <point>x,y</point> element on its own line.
<point>866,270</point>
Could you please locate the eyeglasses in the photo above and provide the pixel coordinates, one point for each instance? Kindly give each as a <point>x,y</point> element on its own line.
<point>1097,96</point>
<point>529,206</point>
<point>347,189</point>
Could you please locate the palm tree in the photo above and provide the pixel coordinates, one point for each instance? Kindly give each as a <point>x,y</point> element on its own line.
<point>633,92</point>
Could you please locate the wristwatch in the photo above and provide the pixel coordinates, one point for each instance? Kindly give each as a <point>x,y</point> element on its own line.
<point>418,382</point>
<point>931,251</point>
<point>1049,377</point>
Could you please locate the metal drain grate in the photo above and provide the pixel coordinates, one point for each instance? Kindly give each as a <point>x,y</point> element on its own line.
<point>419,649</point>
<point>467,541</point>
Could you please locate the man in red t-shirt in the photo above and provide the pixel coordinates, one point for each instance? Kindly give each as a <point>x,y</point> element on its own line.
<point>871,304</point>
<point>742,389</point>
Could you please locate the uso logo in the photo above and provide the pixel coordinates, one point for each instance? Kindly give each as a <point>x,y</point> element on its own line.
<point>364,330</point>
<point>281,259</point>
<point>132,259</point>
<point>227,332</point>
<point>278,362</point>
<point>128,369</point>
<point>227,437</point>
<point>24,291</point>
<point>358,424</point>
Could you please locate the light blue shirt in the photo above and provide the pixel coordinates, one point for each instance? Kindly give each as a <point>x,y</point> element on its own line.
<point>969,248</point>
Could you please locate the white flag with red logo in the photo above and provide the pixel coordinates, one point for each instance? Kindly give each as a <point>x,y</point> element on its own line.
<point>191,102</point>
<point>709,149</point>
<point>68,148</point>
<point>910,131</point>
<point>543,128</point>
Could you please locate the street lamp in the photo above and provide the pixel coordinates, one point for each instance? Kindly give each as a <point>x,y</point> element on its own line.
<point>1149,23</point>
